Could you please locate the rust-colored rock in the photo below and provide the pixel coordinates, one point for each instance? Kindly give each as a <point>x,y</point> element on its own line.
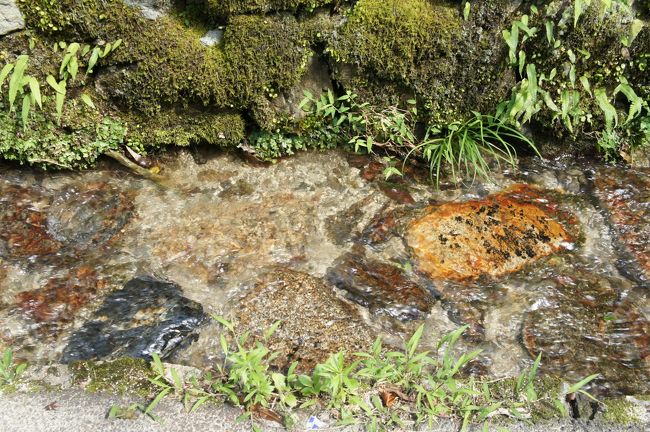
<point>315,322</point>
<point>625,194</point>
<point>382,288</point>
<point>24,226</point>
<point>494,236</point>
<point>59,300</point>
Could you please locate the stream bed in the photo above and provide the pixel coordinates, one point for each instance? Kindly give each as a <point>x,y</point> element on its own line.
<point>552,258</point>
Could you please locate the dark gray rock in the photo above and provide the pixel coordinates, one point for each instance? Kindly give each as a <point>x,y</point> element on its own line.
<point>146,316</point>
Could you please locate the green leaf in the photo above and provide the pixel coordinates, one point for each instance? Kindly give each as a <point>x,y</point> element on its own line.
<point>73,67</point>
<point>59,99</point>
<point>17,78</point>
<point>221,320</point>
<point>269,332</point>
<point>52,82</point>
<point>466,10</point>
<point>35,89</point>
<point>27,103</point>
<point>549,32</point>
<point>5,72</point>
<point>580,384</point>
<point>94,56</point>
<point>611,118</point>
<point>116,44</point>
<point>87,100</point>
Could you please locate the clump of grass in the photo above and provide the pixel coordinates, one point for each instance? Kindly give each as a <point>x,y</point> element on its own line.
<point>380,389</point>
<point>465,146</point>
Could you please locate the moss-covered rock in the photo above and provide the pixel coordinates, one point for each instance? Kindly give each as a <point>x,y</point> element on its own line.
<point>575,58</point>
<point>120,376</point>
<point>221,9</point>
<point>388,51</point>
<point>191,126</point>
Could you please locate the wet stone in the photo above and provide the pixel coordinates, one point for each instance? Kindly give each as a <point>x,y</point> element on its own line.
<point>88,216</point>
<point>383,288</point>
<point>626,196</point>
<point>494,236</point>
<point>57,303</point>
<point>576,333</point>
<point>314,321</point>
<point>146,316</point>
<point>24,225</point>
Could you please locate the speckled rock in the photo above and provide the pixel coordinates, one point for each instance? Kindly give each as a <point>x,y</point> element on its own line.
<point>315,321</point>
<point>624,193</point>
<point>146,316</point>
<point>383,288</point>
<point>494,236</point>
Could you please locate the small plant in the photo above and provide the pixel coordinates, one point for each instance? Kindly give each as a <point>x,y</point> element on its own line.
<point>21,84</point>
<point>465,145</point>
<point>380,389</point>
<point>72,55</point>
<point>9,371</point>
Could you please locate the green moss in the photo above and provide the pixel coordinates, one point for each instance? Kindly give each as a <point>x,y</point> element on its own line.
<point>392,51</point>
<point>619,411</point>
<point>392,38</point>
<point>45,144</point>
<point>221,9</point>
<point>121,376</point>
<point>188,127</point>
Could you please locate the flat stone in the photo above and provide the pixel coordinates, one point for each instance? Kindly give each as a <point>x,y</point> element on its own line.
<point>146,316</point>
<point>625,195</point>
<point>315,322</point>
<point>493,236</point>
<point>383,288</point>
<point>212,37</point>
<point>573,334</point>
<point>11,19</point>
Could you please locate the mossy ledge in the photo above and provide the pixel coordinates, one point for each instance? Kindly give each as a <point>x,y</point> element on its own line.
<point>165,87</point>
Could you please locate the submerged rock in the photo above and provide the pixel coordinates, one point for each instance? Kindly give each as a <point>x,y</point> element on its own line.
<point>494,236</point>
<point>24,230</point>
<point>625,194</point>
<point>146,316</point>
<point>314,321</point>
<point>382,288</point>
<point>583,329</point>
<point>59,301</point>
<point>88,216</point>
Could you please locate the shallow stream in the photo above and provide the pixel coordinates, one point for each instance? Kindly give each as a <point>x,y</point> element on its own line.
<point>102,263</point>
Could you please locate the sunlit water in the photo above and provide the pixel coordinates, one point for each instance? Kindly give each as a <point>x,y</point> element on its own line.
<point>69,239</point>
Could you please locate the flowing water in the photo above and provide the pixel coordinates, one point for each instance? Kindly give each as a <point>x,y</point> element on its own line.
<point>103,263</point>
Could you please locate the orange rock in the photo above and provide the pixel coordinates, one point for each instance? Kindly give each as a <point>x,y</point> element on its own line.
<point>494,236</point>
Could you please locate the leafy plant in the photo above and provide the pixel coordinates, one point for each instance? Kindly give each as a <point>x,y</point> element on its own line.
<point>9,370</point>
<point>463,146</point>
<point>21,84</point>
<point>73,54</point>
